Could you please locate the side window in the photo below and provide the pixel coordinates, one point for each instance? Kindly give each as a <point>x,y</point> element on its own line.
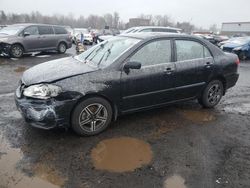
<point>45,30</point>
<point>32,30</point>
<point>154,53</point>
<point>207,52</point>
<point>146,30</point>
<point>187,50</point>
<point>60,30</point>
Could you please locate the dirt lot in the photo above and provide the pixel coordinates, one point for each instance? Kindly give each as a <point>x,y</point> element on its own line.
<point>180,146</point>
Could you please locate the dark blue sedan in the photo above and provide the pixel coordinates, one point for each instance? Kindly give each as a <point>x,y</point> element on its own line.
<point>239,46</point>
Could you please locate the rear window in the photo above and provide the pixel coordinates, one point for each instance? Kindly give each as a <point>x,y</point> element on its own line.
<point>45,30</point>
<point>60,30</point>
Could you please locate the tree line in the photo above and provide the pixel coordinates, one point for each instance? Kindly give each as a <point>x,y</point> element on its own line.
<point>92,21</point>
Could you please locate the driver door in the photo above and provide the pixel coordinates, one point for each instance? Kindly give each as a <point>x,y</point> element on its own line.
<point>154,83</point>
<point>32,41</point>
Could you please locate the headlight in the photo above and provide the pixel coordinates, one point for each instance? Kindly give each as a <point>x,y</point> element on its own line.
<point>238,48</point>
<point>42,91</point>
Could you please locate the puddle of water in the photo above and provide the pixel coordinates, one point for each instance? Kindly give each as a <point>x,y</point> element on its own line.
<point>20,69</point>
<point>198,116</point>
<point>11,176</point>
<point>121,154</point>
<point>174,182</point>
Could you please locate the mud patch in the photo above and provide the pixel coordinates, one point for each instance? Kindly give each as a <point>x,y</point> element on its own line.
<point>12,176</point>
<point>198,116</point>
<point>121,154</point>
<point>174,182</point>
<point>20,69</point>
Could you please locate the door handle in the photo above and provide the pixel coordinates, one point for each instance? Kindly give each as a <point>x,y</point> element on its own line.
<point>169,70</point>
<point>208,65</point>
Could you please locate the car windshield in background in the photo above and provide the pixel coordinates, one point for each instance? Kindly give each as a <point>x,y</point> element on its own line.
<point>106,52</point>
<point>11,30</point>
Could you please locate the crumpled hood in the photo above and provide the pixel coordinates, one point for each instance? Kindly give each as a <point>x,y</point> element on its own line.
<point>55,70</point>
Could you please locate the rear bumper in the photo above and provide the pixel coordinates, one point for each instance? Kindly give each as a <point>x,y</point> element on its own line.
<point>231,80</point>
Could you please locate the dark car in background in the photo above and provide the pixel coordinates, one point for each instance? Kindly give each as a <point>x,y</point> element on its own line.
<point>17,39</point>
<point>239,46</point>
<point>125,74</point>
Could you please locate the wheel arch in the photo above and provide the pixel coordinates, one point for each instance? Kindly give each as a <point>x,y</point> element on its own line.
<point>223,80</point>
<point>91,95</point>
<point>64,42</point>
<point>18,43</point>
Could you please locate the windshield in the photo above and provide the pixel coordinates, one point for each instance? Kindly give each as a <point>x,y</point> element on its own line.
<point>11,30</point>
<point>106,52</point>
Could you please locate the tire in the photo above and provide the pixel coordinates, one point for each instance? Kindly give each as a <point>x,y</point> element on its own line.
<point>61,48</point>
<point>16,51</point>
<point>212,94</point>
<point>91,116</point>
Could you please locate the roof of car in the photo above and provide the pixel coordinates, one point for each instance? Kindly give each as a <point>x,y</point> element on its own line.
<point>29,24</point>
<point>156,27</point>
<point>149,35</point>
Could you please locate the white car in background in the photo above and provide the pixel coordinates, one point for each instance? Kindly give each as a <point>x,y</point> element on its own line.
<point>88,39</point>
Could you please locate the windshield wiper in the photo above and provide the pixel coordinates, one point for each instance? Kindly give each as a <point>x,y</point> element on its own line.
<point>109,52</point>
<point>96,51</point>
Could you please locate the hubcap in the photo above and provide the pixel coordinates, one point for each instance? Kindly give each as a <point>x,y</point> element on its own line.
<point>16,51</point>
<point>62,48</point>
<point>93,117</point>
<point>214,94</point>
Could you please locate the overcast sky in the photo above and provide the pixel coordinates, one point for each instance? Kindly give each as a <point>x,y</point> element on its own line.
<point>200,12</point>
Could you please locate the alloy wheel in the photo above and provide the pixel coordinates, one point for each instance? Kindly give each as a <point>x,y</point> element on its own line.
<point>214,94</point>
<point>93,117</point>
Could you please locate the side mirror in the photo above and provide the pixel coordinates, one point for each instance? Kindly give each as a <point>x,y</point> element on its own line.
<point>131,65</point>
<point>25,34</point>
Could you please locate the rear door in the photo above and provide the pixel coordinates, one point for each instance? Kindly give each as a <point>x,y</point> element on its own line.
<point>32,41</point>
<point>153,84</point>
<point>48,39</point>
<point>194,67</point>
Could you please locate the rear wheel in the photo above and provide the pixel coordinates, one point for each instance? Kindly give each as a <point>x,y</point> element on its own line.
<point>212,94</point>
<point>91,116</point>
<point>16,51</point>
<point>62,48</point>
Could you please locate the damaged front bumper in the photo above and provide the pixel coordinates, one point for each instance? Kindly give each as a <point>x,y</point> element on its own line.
<point>45,114</point>
<point>4,48</point>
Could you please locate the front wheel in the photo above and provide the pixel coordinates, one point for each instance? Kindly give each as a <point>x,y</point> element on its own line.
<point>16,51</point>
<point>91,116</point>
<point>212,94</point>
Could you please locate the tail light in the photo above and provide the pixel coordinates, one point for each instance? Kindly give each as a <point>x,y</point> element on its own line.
<point>237,61</point>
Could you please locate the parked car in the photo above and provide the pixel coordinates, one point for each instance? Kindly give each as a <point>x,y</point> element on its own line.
<point>152,29</point>
<point>17,39</point>
<point>105,34</point>
<point>125,74</point>
<point>239,46</point>
<point>88,39</point>
<point>143,29</point>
